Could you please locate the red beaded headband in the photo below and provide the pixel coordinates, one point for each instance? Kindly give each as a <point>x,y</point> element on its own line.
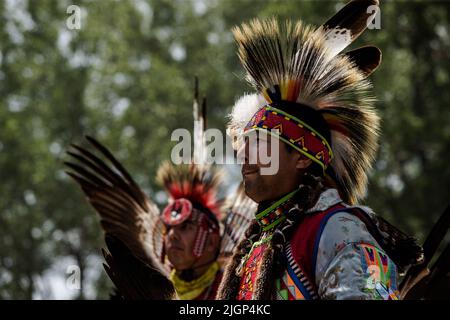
<point>294,132</point>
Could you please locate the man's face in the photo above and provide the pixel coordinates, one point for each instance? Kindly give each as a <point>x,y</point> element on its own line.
<point>179,243</point>
<point>268,187</point>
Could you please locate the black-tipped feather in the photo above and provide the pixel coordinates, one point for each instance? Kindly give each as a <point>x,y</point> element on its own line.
<point>367,58</point>
<point>142,282</point>
<point>348,24</point>
<point>127,216</point>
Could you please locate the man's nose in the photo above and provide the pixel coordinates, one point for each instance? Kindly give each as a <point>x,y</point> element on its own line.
<point>173,234</point>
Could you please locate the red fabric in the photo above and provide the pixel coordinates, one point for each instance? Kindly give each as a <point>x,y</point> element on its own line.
<point>304,238</point>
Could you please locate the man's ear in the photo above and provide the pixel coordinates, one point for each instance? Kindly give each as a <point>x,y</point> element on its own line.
<point>303,162</point>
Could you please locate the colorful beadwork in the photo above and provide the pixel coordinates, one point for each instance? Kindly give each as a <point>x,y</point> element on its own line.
<point>380,272</point>
<point>286,289</point>
<point>293,284</point>
<point>251,271</point>
<point>274,215</point>
<point>294,132</point>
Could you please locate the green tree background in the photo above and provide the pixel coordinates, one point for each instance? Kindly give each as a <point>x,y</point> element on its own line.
<point>126,77</point>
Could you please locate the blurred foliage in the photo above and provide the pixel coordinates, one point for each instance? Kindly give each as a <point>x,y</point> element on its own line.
<point>126,77</point>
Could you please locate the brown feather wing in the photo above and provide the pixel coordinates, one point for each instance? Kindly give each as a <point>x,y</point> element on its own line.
<point>126,213</point>
<point>142,282</point>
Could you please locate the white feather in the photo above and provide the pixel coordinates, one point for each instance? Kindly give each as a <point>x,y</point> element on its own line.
<point>245,107</point>
<point>337,40</point>
<point>242,112</point>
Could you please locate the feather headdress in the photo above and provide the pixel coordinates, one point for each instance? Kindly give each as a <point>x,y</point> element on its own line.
<point>340,31</point>
<point>196,183</point>
<point>320,100</point>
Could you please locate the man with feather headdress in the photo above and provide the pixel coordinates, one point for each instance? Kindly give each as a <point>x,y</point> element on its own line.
<point>310,240</point>
<point>192,229</point>
<point>177,253</point>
